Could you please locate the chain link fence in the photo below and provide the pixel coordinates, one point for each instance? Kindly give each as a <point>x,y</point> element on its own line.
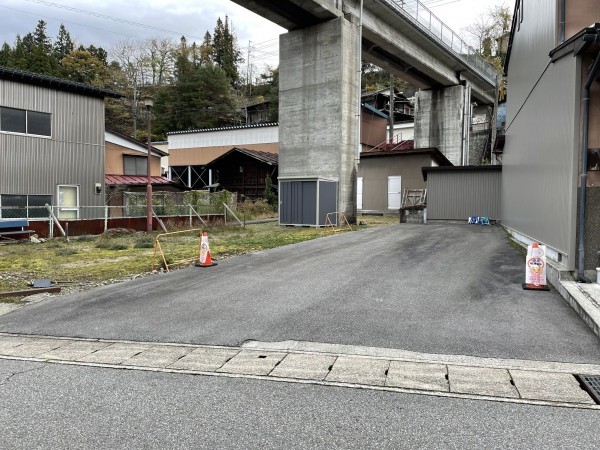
<point>174,204</point>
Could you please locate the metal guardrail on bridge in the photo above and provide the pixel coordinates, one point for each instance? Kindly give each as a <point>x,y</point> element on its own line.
<point>418,14</point>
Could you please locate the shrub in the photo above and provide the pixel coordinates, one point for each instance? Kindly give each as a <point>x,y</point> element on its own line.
<point>259,208</point>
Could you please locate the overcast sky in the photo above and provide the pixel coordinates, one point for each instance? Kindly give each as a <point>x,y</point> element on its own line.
<point>88,23</point>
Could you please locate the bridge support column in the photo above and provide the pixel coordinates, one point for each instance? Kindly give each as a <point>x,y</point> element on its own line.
<point>318,106</point>
<point>442,120</point>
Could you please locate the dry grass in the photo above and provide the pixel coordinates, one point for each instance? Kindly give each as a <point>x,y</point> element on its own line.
<point>120,254</point>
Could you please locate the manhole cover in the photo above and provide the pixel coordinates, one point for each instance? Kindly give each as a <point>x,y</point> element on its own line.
<point>592,386</point>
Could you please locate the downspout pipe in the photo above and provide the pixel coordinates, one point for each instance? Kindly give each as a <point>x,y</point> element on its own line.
<point>563,16</point>
<point>584,145</point>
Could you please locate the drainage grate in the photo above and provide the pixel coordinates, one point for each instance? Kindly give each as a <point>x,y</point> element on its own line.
<point>591,384</point>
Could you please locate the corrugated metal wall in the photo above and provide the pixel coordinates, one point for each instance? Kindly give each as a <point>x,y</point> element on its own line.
<point>230,138</point>
<point>539,177</point>
<point>298,202</point>
<point>327,201</point>
<point>74,155</point>
<point>457,195</point>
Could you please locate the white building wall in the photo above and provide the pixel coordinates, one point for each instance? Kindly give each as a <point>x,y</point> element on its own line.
<point>226,137</point>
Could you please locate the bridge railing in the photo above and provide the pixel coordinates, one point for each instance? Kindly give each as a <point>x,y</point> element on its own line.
<point>421,16</point>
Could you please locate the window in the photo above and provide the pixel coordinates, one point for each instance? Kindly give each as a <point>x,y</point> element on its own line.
<point>13,120</point>
<point>135,165</point>
<point>38,123</point>
<point>24,206</point>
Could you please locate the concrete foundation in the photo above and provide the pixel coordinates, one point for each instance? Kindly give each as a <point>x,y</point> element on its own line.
<point>440,122</point>
<point>318,106</point>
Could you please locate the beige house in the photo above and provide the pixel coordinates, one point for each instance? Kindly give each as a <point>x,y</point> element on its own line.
<point>383,175</point>
<point>126,162</point>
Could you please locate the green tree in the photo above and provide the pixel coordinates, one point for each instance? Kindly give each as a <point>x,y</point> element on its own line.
<point>63,45</point>
<point>41,38</point>
<point>5,55</point>
<point>269,195</point>
<point>268,89</point>
<point>206,49</point>
<point>226,53</point>
<point>490,35</point>
<point>200,97</point>
<point>118,110</point>
<point>81,66</point>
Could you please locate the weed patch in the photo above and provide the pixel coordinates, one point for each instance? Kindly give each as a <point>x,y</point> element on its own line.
<point>122,253</point>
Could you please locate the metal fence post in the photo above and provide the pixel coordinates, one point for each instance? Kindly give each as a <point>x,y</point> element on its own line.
<point>105,218</point>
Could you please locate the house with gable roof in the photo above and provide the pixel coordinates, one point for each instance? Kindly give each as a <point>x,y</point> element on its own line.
<point>51,146</point>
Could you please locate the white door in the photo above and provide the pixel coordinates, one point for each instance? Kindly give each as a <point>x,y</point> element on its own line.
<point>68,202</point>
<point>359,191</point>
<point>394,192</point>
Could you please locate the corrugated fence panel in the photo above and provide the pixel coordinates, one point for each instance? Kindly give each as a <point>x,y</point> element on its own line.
<point>456,195</point>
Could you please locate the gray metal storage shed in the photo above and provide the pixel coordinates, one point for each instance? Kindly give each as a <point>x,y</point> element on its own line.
<point>306,201</point>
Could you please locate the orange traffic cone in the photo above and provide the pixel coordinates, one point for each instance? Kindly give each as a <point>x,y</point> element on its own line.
<point>204,259</point>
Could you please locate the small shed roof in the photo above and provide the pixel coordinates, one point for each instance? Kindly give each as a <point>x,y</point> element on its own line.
<point>407,148</point>
<point>36,79</point>
<point>271,159</point>
<point>136,180</point>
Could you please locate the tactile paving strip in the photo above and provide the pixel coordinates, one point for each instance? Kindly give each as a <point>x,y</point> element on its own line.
<point>592,385</point>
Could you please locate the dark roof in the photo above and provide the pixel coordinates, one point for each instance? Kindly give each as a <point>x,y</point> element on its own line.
<point>375,111</point>
<point>426,170</point>
<point>233,127</point>
<point>577,43</point>
<point>406,150</point>
<point>36,79</point>
<point>268,158</point>
<point>136,141</point>
<point>134,180</point>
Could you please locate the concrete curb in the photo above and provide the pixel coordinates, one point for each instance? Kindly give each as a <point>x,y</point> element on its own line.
<point>584,298</point>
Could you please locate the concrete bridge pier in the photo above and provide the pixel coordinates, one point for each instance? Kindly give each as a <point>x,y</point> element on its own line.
<point>319,85</point>
<point>443,119</point>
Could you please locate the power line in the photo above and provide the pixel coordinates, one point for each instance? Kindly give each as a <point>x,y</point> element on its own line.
<point>115,19</point>
<point>260,45</point>
<point>68,21</point>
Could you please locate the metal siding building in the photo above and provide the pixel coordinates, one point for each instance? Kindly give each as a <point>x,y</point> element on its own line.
<point>539,186</point>
<point>74,153</point>
<point>456,193</point>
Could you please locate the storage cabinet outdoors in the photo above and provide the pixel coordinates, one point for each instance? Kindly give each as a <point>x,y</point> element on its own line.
<point>307,201</point>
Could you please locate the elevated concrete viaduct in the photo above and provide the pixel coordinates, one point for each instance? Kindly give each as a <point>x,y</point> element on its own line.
<point>320,83</point>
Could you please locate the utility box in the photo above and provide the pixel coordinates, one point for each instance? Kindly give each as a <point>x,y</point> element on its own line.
<point>306,201</point>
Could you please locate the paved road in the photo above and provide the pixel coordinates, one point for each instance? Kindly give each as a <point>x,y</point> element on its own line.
<point>82,407</point>
<point>451,289</point>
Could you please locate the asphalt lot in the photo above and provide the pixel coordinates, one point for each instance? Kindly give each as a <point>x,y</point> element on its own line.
<point>450,289</point>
